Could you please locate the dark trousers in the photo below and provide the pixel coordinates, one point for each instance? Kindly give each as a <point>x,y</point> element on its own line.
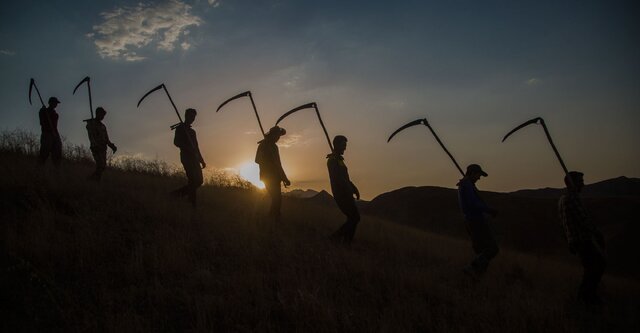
<point>273,189</point>
<point>594,263</point>
<point>100,156</point>
<point>191,166</point>
<point>347,231</point>
<point>50,145</point>
<point>483,242</point>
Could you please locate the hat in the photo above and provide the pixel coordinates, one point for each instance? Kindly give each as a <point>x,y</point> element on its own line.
<point>276,130</point>
<point>476,168</point>
<point>54,100</point>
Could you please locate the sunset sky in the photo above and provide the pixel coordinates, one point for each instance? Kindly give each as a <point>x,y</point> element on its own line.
<point>474,69</point>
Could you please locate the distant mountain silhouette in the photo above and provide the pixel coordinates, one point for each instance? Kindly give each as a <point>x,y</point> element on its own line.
<point>528,219</point>
<point>302,194</point>
<point>615,187</point>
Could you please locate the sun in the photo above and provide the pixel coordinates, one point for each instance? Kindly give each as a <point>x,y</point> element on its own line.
<point>250,172</point>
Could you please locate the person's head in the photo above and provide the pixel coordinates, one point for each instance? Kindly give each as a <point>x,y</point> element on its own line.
<point>100,113</point>
<point>474,172</point>
<point>574,181</point>
<point>339,144</point>
<point>53,102</point>
<point>190,116</point>
<point>275,133</point>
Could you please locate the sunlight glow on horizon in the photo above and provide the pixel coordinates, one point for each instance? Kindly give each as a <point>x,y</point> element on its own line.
<point>250,172</point>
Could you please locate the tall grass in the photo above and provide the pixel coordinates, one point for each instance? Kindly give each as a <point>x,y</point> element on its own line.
<point>122,256</point>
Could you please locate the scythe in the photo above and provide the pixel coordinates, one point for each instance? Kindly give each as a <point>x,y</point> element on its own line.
<point>426,123</point>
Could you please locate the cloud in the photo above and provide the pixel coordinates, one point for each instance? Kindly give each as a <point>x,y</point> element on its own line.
<point>7,52</point>
<point>214,3</point>
<point>290,140</point>
<point>128,29</point>
<point>533,82</point>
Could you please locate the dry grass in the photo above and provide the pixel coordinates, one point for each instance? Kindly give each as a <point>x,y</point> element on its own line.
<point>121,256</point>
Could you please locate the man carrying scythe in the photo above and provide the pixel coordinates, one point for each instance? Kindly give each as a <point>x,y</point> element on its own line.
<point>50,141</point>
<point>343,191</point>
<point>271,171</point>
<point>99,141</point>
<point>473,208</point>
<point>192,161</point>
<point>584,239</point>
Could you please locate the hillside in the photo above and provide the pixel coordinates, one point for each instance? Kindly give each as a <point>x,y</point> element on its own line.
<point>525,223</point>
<point>122,256</point>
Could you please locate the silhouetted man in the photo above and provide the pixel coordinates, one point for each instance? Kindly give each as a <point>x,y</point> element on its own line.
<point>98,141</point>
<point>343,191</point>
<point>271,171</point>
<point>50,142</point>
<point>474,210</point>
<point>583,237</point>
<point>192,161</point>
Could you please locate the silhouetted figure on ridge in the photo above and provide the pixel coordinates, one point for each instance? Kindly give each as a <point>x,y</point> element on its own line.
<point>192,161</point>
<point>584,239</point>
<point>343,191</point>
<point>271,171</point>
<point>50,141</point>
<point>474,210</point>
<point>98,142</point>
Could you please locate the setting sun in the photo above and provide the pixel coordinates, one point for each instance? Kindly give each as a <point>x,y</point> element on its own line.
<point>250,171</point>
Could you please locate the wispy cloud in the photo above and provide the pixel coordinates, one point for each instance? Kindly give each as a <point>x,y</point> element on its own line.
<point>214,3</point>
<point>126,30</point>
<point>7,52</point>
<point>533,81</point>
<point>290,140</point>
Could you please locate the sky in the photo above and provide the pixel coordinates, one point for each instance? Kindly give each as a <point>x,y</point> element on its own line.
<point>474,69</point>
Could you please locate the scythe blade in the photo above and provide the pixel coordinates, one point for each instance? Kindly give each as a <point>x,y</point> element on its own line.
<point>413,123</point>
<point>302,107</point>
<point>149,93</point>
<point>525,124</point>
<point>244,94</point>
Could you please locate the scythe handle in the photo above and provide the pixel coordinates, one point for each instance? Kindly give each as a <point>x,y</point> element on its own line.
<point>172,103</point>
<point>315,106</point>
<point>256,112</point>
<point>443,147</point>
<point>555,150</point>
<point>90,100</point>
<point>38,91</point>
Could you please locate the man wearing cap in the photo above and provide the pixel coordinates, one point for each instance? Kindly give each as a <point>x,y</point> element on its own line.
<point>474,210</point>
<point>192,161</point>
<point>98,142</point>
<point>50,142</point>
<point>343,191</point>
<point>271,171</point>
<point>584,239</point>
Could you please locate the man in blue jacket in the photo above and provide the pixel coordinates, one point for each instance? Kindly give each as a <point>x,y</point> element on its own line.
<point>474,210</point>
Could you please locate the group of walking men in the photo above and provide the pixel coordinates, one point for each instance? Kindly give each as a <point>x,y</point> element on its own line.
<point>583,237</point>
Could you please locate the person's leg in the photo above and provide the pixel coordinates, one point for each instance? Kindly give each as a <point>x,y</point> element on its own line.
<point>45,149</point>
<point>484,244</point>
<point>275,194</point>
<point>347,231</point>
<point>56,152</point>
<point>594,263</point>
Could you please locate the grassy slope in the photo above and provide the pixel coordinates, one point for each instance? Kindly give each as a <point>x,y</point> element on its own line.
<point>121,256</point>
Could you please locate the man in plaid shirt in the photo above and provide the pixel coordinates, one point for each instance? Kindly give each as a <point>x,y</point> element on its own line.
<point>583,237</point>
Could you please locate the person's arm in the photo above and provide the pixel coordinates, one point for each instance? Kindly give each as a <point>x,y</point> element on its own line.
<point>197,150</point>
<point>109,143</point>
<point>283,175</point>
<point>355,190</point>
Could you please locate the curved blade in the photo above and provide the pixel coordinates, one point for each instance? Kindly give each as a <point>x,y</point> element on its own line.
<point>31,83</point>
<point>413,123</point>
<point>527,123</point>
<point>150,91</point>
<point>86,79</point>
<point>246,93</point>
<point>301,107</point>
